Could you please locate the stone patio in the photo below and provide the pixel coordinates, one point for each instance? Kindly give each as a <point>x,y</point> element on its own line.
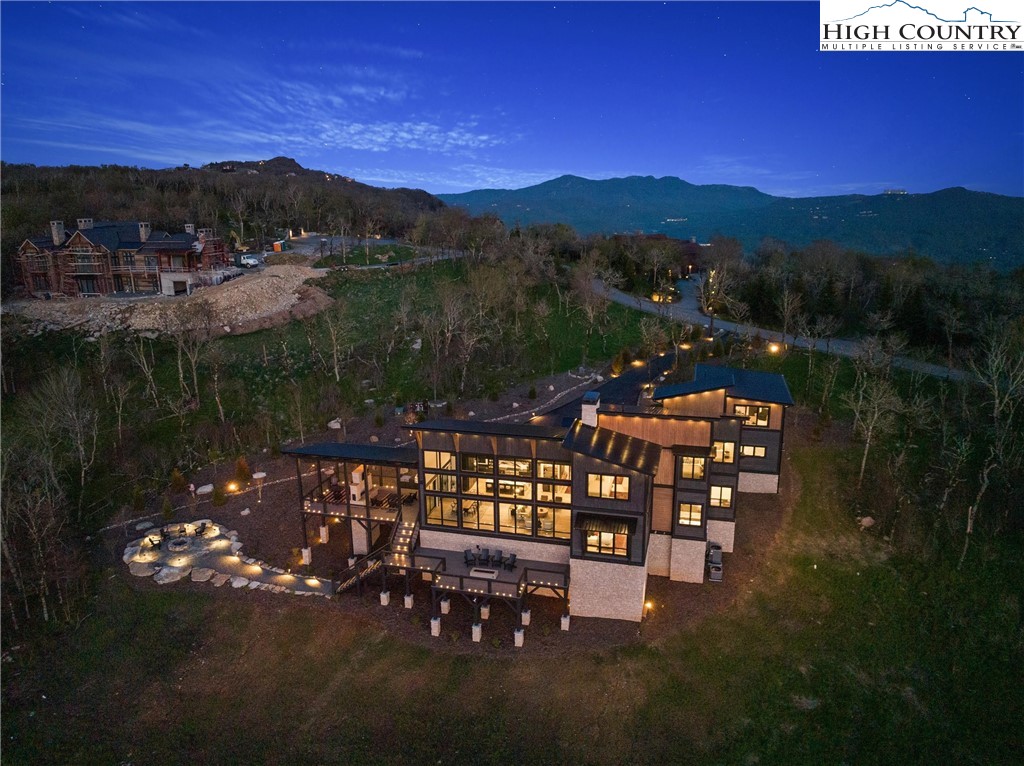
<point>208,552</point>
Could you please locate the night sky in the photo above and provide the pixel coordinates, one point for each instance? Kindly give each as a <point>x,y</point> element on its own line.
<point>451,97</point>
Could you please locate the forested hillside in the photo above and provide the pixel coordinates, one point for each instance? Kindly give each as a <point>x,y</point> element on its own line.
<point>251,199</point>
<point>952,226</point>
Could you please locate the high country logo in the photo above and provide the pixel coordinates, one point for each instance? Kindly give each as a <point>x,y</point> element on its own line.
<point>944,25</point>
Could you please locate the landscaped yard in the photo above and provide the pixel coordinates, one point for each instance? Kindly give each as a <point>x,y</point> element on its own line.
<point>819,648</point>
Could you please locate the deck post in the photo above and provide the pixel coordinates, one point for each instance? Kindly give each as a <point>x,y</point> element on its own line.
<point>524,618</point>
<point>517,636</point>
<point>307,553</point>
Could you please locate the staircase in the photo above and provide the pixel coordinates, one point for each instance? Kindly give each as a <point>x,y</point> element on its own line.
<point>404,536</point>
<point>358,573</point>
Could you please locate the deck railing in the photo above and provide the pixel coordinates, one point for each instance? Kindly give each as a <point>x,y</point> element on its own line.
<point>483,585</point>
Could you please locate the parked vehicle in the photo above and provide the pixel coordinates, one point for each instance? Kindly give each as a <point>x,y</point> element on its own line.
<point>249,261</point>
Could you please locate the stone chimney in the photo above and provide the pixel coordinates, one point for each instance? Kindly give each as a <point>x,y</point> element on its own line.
<point>84,223</point>
<point>190,228</point>
<point>588,410</point>
<point>57,232</point>
<point>144,229</point>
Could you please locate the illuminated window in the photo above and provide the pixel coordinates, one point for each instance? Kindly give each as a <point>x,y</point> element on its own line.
<point>439,482</point>
<point>475,485</point>
<point>553,522</point>
<point>749,450</point>
<point>690,514</point>
<point>547,469</point>
<point>721,497</point>
<point>515,518</point>
<point>443,460</point>
<point>515,467</point>
<point>609,486</point>
<point>724,452</point>
<point>519,490</point>
<point>477,463</point>
<point>691,467</point>
<point>608,543</point>
<point>478,514</point>
<point>554,493</point>
<point>442,511</point>
<point>756,415</point>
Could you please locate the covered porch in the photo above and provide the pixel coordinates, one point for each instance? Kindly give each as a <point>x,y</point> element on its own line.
<point>370,488</point>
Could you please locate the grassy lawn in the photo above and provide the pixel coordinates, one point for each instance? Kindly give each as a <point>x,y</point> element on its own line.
<point>839,654</point>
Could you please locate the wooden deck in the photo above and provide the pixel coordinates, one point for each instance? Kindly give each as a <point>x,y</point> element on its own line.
<point>451,572</point>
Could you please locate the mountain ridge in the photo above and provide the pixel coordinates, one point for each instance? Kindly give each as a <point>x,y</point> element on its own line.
<point>949,225</point>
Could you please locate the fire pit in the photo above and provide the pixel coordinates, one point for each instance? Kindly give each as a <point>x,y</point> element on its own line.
<point>179,544</point>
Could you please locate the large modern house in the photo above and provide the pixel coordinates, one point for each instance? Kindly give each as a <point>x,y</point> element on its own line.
<point>583,510</point>
<point>102,257</point>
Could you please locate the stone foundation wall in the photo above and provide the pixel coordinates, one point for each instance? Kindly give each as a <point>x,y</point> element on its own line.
<point>761,483</point>
<point>525,549</point>
<point>688,558</point>
<point>723,533</point>
<point>659,555</point>
<point>600,589</point>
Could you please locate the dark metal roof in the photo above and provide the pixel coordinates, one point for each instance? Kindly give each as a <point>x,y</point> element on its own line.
<point>741,384</point>
<point>613,447</point>
<point>522,430</point>
<point>370,453</point>
<point>592,522</point>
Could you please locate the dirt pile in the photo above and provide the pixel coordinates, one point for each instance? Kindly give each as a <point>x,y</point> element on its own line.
<point>255,301</point>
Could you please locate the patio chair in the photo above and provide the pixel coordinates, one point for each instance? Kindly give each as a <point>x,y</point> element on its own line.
<point>201,530</point>
<point>510,562</point>
<point>715,573</point>
<point>470,558</point>
<point>484,556</point>
<point>496,559</point>
<point>715,557</point>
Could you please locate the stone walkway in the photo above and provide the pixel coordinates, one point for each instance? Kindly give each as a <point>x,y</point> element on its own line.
<point>208,552</point>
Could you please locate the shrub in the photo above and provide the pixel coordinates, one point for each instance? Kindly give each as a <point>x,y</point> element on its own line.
<point>178,483</point>
<point>378,420</point>
<point>242,472</point>
<point>167,510</point>
<point>532,393</point>
<point>618,364</point>
<point>138,499</point>
<point>219,498</point>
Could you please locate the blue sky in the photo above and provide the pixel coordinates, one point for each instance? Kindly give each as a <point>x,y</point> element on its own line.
<point>456,96</point>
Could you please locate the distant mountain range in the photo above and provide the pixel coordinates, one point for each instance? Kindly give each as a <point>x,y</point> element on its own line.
<point>952,226</point>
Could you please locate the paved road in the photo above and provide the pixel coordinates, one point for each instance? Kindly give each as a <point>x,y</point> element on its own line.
<point>686,310</point>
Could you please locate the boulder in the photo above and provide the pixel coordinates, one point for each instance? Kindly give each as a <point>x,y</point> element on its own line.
<point>143,525</point>
<point>239,582</point>
<point>171,574</point>
<point>129,553</point>
<point>141,568</point>
<point>219,579</point>
<point>202,574</point>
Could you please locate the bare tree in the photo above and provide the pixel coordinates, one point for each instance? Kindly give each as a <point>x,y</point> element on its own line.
<point>713,292</point>
<point>591,302</point>
<point>1001,374</point>
<point>875,403</point>
<point>788,304</point>
<point>140,351</point>
<point>191,330</point>
<point>338,329</point>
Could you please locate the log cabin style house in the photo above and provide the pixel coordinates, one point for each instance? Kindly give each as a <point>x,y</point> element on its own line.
<point>583,511</point>
<point>104,257</point>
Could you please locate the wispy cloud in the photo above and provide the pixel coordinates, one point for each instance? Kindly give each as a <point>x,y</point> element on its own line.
<point>458,178</point>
